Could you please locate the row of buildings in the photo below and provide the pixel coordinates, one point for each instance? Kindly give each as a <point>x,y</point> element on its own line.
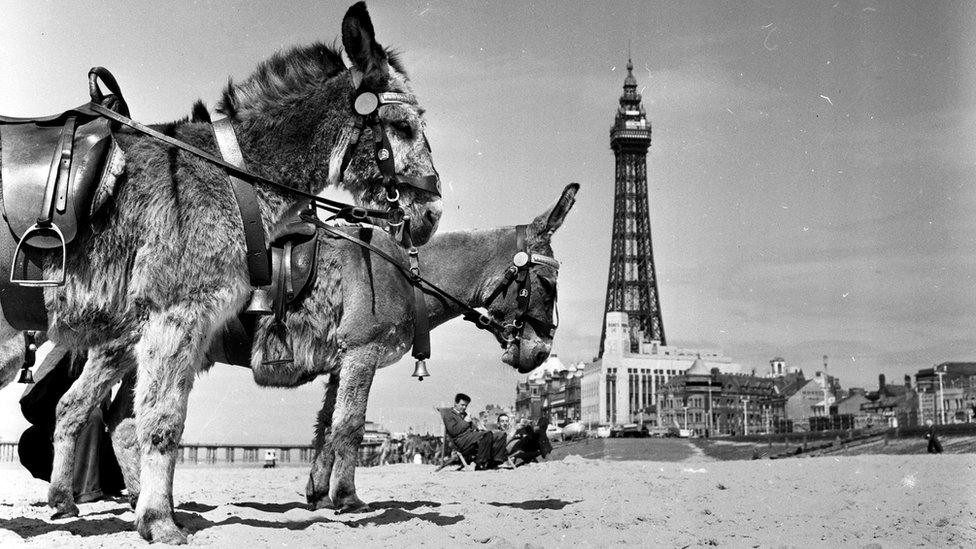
<point>638,378</point>
<point>709,394</point>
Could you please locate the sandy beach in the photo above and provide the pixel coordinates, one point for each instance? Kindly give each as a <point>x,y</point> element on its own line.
<point>844,501</point>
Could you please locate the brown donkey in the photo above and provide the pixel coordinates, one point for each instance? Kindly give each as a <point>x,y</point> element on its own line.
<point>359,316</point>
<point>164,265</point>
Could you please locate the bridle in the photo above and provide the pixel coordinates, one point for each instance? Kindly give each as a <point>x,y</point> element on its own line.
<point>506,331</point>
<point>518,273</point>
<point>364,116</point>
<point>366,104</point>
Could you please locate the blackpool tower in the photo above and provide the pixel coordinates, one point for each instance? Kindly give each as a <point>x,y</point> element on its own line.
<point>632,285</point>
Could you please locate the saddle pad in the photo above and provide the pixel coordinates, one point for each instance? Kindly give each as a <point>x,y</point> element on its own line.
<point>27,151</point>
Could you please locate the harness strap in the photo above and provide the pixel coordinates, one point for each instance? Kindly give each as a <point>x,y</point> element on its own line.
<point>344,210</point>
<point>421,322</point>
<point>258,262</point>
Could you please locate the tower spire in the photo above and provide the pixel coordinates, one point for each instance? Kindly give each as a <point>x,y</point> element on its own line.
<point>632,284</point>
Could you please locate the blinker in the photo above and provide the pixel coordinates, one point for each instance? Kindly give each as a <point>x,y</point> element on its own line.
<point>366,103</point>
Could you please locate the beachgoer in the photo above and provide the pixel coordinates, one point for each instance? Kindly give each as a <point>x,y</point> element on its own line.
<point>935,447</point>
<point>468,434</point>
<point>96,470</point>
<point>270,457</point>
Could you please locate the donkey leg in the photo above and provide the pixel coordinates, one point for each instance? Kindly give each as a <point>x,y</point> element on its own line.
<point>121,425</point>
<point>105,365</point>
<point>317,490</point>
<point>348,426</point>
<point>168,354</point>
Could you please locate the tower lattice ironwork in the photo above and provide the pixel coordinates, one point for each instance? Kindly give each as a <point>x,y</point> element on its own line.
<point>632,285</point>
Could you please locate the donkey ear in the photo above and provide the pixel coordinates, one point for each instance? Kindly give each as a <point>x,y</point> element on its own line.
<point>547,223</point>
<point>359,39</point>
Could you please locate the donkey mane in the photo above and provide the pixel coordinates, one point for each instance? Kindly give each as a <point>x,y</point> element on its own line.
<point>289,72</point>
<point>284,74</point>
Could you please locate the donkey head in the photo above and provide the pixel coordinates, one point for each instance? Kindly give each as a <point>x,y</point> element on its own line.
<point>307,120</point>
<point>391,161</point>
<point>527,307</point>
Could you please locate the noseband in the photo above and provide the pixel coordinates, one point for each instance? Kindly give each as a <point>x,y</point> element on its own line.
<point>518,273</point>
<point>366,104</point>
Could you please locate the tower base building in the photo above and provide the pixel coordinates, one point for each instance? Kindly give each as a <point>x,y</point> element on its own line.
<point>622,386</point>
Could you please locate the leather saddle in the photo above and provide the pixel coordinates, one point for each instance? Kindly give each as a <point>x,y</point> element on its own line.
<point>294,255</point>
<point>54,172</point>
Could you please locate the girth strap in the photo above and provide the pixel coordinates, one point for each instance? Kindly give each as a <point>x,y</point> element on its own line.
<point>258,261</point>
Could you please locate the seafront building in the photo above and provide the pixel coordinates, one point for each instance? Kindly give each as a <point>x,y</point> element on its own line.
<point>709,402</point>
<point>551,390</point>
<point>947,392</point>
<point>622,386</point>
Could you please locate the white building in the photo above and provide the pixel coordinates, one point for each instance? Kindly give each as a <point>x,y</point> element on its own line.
<point>622,386</point>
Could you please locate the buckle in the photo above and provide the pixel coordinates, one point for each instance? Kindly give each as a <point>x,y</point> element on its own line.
<point>357,213</point>
<point>392,194</point>
<point>396,216</point>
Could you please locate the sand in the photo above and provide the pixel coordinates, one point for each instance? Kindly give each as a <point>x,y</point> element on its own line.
<point>845,501</point>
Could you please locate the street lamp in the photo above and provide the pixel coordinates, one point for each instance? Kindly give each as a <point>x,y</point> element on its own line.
<point>826,393</point>
<point>745,415</point>
<point>940,371</point>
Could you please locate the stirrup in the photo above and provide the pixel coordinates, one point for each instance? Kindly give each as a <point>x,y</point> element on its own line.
<point>36,230</point>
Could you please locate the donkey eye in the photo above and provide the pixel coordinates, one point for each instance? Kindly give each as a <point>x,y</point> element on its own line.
<point>404,128</point>
<point>549,285</point>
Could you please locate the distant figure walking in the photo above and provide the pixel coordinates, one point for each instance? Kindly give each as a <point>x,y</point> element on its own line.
<point>270,459</point>
<point>935,447</point>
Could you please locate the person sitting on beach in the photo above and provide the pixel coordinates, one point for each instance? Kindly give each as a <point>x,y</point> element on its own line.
<point>528,442</point>
<point>468,434</point>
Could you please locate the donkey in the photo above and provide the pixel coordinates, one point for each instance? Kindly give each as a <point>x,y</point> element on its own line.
<point>359,316</point>
<point>163,265</point>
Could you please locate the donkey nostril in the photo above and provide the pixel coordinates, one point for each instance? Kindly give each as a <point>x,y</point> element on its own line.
<point>431,216</point>
<point>541,356</point>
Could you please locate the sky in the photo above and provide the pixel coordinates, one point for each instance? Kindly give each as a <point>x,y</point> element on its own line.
<point>810,176</point>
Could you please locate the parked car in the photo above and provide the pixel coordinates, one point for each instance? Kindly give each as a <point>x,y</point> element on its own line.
<point>603,431</point>
<point>554,432</point>
<point>574,430</point>
<point>680,433</point>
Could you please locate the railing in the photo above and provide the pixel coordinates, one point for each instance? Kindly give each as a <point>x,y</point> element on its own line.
<point>234,453</point>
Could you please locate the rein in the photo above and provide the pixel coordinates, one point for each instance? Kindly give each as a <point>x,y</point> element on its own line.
<point>522,262</point>
<point>346,211</point>
<point>366,105</point>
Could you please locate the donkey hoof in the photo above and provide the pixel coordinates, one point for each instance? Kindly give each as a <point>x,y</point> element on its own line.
<point>65,510</point>
<point>353,505</point>
<point>324,502</point>
<point>161,531</point>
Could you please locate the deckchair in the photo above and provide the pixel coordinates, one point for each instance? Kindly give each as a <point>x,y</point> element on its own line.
<point>449,455</point>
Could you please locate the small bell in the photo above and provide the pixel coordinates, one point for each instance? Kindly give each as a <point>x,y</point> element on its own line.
<point>260,303</point>
<point>420,370</point>
<point>30,353</point>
